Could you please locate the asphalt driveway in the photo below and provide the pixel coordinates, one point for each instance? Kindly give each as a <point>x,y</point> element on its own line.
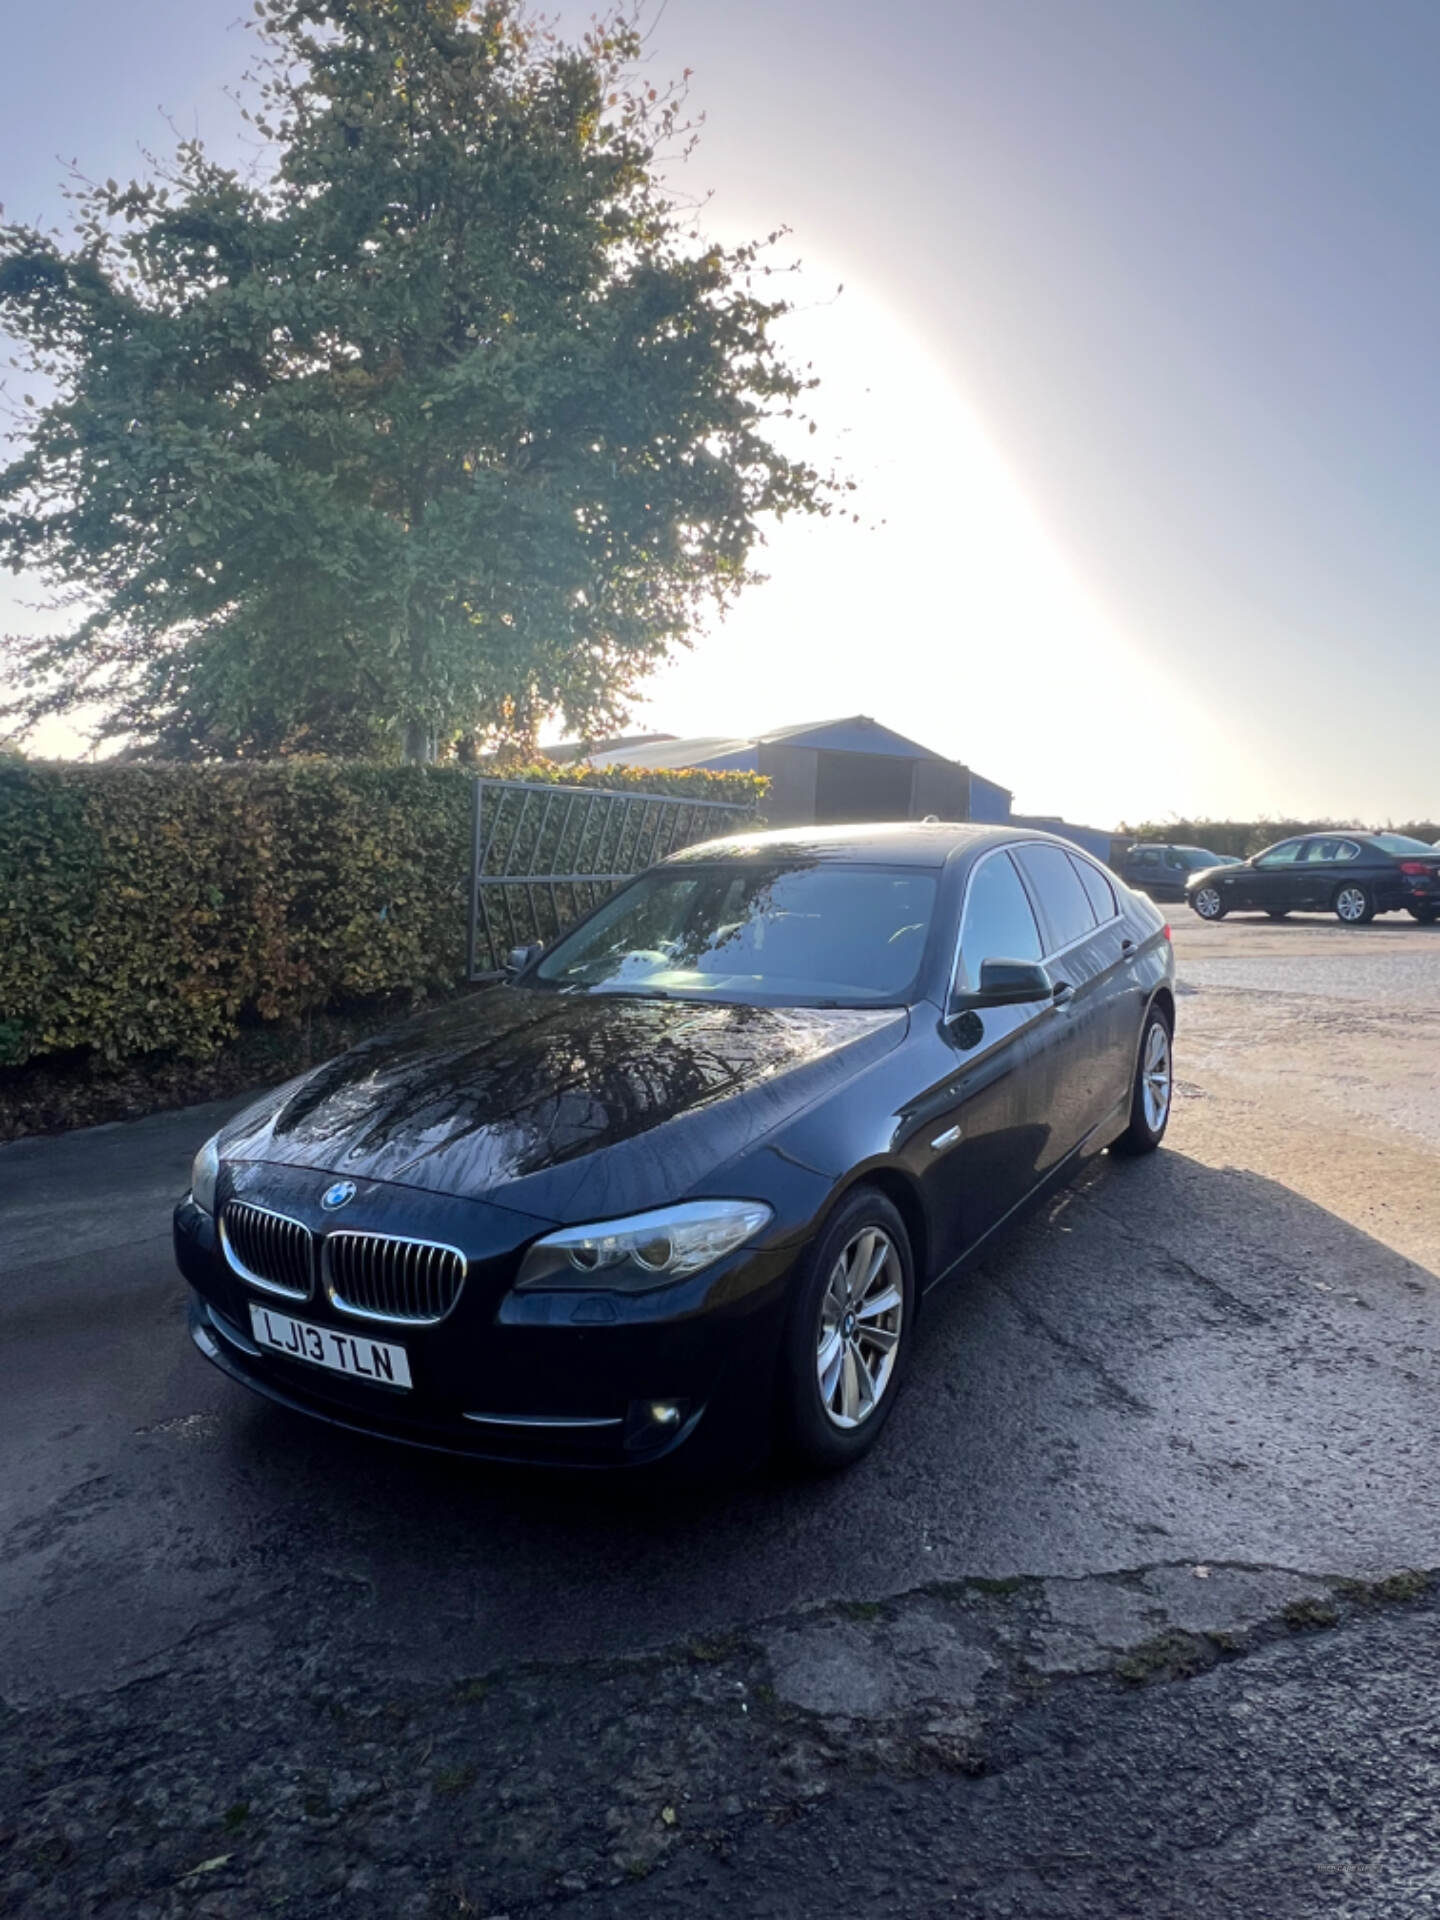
<point>1191,1411</point>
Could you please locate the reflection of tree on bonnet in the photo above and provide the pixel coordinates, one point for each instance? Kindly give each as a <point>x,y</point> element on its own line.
<point>538,1081</point>
<point>795,933</point>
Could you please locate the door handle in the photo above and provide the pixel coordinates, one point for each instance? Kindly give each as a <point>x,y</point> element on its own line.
<point>1063,994</point>
<point>1127,946</point>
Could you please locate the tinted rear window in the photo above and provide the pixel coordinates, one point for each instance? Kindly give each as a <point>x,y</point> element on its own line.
<point>1064,903</point>
<point>1102,894</point>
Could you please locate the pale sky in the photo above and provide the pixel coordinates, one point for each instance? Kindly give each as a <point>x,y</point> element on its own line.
<point>1135,367</point>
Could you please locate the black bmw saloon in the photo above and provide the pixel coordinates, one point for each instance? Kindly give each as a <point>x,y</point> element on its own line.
<point>1353,875</point>
<point>680,1186</point>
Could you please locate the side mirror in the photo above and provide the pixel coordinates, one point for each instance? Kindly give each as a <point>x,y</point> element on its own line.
<point>1009,983</point>
<point>519,958</point>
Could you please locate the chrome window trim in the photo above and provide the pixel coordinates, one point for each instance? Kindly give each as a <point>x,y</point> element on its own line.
<point>238,1266</point>
<point>395,1240</point>
<point>1045,958</point>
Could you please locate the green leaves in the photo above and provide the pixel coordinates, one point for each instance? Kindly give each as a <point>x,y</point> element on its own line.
<point>448,426</point>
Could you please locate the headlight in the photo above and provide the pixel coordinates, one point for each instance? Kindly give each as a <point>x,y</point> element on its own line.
<point>647,1250</point>
<point>203,1175</point>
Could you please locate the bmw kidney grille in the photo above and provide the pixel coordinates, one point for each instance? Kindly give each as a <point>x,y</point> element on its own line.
<point>271,1251</point>
<point>382,1278</point>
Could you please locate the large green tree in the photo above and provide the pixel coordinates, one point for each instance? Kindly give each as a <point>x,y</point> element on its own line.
<point>439,420</point>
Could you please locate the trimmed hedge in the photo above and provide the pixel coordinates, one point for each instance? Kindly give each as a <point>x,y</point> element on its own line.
<point>151,908</point>
<point>1244,837</point>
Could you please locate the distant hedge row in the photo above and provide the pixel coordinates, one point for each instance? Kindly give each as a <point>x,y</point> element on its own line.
<point>1244,837</point>
<point>147,908</point>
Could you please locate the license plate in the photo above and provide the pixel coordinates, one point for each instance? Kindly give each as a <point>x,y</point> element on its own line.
<point>349,1353</point>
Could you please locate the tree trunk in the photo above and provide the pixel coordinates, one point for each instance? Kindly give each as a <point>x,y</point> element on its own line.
<point>419,743</point>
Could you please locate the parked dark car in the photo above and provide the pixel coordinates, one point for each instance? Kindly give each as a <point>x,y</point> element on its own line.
<point>1162,871</point>
<point>689,1174</point>
<point>1353,875</point>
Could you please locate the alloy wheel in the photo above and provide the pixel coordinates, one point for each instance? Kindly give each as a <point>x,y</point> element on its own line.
<point>1207,903</point>
<point>1155,1080</point>
<point>1350,904</point>
<point>859,1335</point>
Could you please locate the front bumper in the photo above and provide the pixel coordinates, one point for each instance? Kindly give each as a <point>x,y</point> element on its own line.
<point>538,1379</point>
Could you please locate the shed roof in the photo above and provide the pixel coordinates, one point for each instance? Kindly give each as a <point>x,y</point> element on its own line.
<point>857,733</point>
<point>709,751</point>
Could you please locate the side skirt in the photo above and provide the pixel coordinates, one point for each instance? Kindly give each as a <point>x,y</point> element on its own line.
<point>1095,1142</point>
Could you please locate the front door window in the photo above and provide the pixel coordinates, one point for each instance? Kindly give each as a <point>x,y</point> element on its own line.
<point>1283,855</point>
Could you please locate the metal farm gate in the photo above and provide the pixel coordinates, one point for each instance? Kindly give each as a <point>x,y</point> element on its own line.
<point>542,855</point>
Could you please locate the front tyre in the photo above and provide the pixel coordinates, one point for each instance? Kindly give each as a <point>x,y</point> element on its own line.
<point>1354,904</point>
<point>1153,1090</point>
<point>1207,903</point>
<point>847,1342</point>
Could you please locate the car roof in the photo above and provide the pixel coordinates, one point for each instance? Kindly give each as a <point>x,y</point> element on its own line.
<point>895,843</point>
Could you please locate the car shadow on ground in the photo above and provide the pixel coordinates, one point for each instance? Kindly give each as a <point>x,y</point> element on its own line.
<point>1175,1361</point>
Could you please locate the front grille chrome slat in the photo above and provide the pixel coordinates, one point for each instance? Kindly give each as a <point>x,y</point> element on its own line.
<point>270,1250</point>
<point>377,1276</point>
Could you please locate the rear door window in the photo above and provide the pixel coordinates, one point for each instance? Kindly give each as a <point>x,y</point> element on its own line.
<point>1330,851</point>
<point>1064,904</point>
<point>1102,894</point>
<point>999,921</point>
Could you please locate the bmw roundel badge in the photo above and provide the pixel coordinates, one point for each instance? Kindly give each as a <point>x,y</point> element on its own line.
<point>340,1195</point>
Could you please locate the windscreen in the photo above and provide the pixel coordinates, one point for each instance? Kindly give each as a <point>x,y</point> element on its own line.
<point>795,935</point>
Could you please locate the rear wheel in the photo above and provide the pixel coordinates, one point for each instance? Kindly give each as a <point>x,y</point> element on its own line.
<point>1354,904</point>
<point>1207,903</point>
<point>848,1339</point>
<point>1427,916</point>
<point>1153,1090</point>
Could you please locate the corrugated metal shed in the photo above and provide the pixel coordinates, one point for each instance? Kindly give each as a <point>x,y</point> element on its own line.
<point>848,768</point>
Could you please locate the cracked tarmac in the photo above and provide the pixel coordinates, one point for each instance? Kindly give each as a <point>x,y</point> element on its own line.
<point>1103,1625</point>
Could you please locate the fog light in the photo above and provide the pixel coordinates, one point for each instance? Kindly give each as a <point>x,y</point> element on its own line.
<point>651,1424</point>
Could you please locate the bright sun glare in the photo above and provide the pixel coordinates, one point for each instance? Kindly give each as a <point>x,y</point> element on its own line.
<point>950,614</point>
